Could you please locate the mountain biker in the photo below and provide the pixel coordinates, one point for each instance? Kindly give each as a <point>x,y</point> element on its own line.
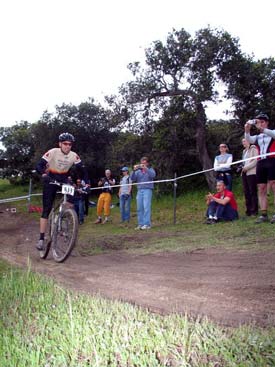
<point>55,166</point>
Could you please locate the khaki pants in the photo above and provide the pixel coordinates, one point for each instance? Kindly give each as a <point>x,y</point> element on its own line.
<point>104,202</point>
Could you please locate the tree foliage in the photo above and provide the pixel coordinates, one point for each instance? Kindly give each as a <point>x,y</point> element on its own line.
<point>160,112</point>
<point>19,144</point>
<point>184,68</point>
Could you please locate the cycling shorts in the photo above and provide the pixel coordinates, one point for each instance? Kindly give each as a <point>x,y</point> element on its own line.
<point>265,170</point>
<point>49,194</point>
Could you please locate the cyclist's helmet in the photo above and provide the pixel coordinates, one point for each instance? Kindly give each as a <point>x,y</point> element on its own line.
<point>66,137</point>
<point>262,116</point>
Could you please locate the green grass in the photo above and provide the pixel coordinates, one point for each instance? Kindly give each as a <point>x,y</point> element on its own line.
<point>42,324</point>
<point>188,233</point>
<point>12,191</point>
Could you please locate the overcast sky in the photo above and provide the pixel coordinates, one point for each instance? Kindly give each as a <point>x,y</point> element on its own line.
<point>56,51</point>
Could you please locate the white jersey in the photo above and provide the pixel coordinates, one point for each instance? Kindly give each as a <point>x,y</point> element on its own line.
<point>58,162</point>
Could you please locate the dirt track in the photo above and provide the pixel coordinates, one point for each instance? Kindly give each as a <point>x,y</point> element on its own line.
<point>229,287</point>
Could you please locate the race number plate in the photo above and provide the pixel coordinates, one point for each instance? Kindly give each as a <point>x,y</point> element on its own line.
<point>68,189</point>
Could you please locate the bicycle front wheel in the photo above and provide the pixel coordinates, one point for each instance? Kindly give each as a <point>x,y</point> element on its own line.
<point>65,235</point>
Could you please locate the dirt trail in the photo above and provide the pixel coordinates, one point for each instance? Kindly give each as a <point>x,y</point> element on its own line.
<point>230,288</point>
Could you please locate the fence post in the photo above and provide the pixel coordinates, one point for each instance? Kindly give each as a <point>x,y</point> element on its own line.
<point>175,198</point>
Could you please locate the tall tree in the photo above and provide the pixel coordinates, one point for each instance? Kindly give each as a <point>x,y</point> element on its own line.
<point>90,124</point>
<point>182,67</point>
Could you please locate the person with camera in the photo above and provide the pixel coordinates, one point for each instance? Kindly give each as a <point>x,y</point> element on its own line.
<point>264,139</point>
<point>248,173</point>
<point>144,175</point>
<point>105,197</point>
<point>222,166</point>
<point>124,194</point>
<point>222,206</point>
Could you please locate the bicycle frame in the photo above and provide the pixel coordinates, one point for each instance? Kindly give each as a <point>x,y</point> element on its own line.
<point>63,226</point>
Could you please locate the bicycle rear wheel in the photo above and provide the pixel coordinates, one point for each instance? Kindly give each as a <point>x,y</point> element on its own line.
<point>65,235</point>
<point>48,241</point>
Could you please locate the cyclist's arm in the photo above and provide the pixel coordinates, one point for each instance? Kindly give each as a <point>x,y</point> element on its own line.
<point>41,166</point>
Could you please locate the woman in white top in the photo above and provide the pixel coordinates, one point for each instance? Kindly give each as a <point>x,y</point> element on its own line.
<point>249,178</point>
<point>222,166</point>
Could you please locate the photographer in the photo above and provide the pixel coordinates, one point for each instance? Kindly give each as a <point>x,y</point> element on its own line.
<point>143,174</point>
<point>104,200</point>
<point>265,169</point>
<point>222,206</point>
<point>248,173</point>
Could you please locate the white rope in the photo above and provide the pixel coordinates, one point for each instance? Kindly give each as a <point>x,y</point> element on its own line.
<point>149,182</point>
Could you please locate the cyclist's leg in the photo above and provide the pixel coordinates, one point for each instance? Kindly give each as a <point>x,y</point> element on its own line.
<point>49,192</point>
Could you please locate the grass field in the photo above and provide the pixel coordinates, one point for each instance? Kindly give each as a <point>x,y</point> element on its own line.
<point>42,324</point>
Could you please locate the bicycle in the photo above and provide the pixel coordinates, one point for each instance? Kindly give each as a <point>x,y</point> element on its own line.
<point>62,227</point>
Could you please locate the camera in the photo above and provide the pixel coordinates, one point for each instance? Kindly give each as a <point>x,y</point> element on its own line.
<point>252,122</point>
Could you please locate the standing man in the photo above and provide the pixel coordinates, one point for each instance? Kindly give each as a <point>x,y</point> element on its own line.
<point>265,170</point>
<point>222,205</point>
<point>55,166</point>
<point>104,200</point>
<point>143,174</point>
<point>124,194</point>
<point>79,197</point>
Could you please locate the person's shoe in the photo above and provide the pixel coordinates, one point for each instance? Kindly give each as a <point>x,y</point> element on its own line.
<point>208,221</point>
<point>40,245</point>
<point>99,220</point>
<point>272,219</point>
<point>105,221</point>
<point>262,219</point>
<point>138,228</point>
<point>145,227</point>
<point>214,221</point>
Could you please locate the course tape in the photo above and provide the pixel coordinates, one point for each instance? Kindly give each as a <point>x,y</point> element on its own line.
<point>148,182</point>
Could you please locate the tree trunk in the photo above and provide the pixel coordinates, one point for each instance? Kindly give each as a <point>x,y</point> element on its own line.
<point>202,151</point>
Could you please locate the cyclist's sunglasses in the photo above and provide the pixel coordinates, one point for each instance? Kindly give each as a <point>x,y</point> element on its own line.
<point>68,144</point>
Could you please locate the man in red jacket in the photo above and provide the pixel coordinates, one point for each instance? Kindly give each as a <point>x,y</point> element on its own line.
<point>221,206</point>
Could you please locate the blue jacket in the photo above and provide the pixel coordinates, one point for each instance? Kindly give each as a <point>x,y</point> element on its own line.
<point>140,176</point>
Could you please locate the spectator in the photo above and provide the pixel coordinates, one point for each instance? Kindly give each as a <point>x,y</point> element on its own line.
<point>265,169</point>
<point>221,206</point>
<point>124,194</point>
<point>79,196</point>
<point>86,196</point>
<point>222,166</point>
<point>143,174</point>
<point>104,200</point>
<point>249,178</point>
